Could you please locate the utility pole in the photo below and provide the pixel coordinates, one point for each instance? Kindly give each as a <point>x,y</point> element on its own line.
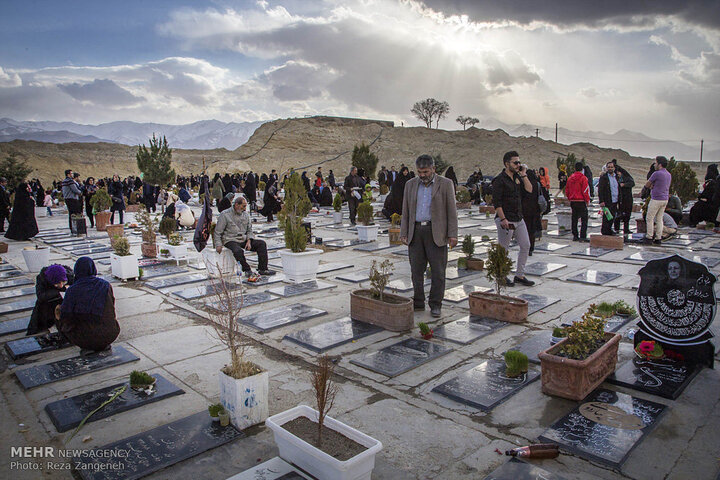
<point>702,141</point>
<point>537,132</point>
<point>556,132</point>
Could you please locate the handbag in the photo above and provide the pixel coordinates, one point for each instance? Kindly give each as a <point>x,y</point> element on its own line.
<point>542,201</point>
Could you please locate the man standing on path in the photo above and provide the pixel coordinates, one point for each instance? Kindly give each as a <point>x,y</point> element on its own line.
<point>609,197</point>
<point>71,194</point>
<point>353,187</point>
<point>578,192</point>
<point>429,224</point>
<point>659,185</point>
<point>507,198</point>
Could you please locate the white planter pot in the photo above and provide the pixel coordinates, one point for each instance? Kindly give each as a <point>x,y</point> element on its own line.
<point>337,217</point>
<point>564,220</point>
<point>219,264</point>
<point>245,399</point>
<point>124,267</point>
<point>302,266</point>
<point>36,258</point>
<point>316,462</point>
<point>383,197</point>
<point>176,251</point>
<point>367,233</point>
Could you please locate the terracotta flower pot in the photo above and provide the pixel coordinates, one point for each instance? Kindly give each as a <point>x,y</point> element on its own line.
<point>544,223</point>
<point>101,221</point>
<point>113,230</point>
<point>396,316</point>
<point>474,263</point>
<point>149,250</point>
<point>427,336</point>
<point>460,205</point>
<point>394,234</point>
<point>575,379</point>
<point>149,237</point>
<point>3,247</point>
<point>498,307</point>
<point>487,209</point>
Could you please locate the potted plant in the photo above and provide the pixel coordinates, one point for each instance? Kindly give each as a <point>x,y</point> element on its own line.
<point>516,363</point>
<point>384,190</point>
<point>425,331</point>
<point>709,225</point>
<point>394,230</point>
<point>564,219</point>
<point>488,207</point>
<point>123,264</point>
<point>149,235</point>
<point>468,262</point>
<point>367,231</point>
<point>141,380</point>
<point>578,364</point>
<point>300,264</point>
<point>391,312</point>
<point>117,230</point>
<point>624,309</point>
<point>36,257</point>
<point>214,411</point>
<point>77,224</point>
<point>302,445</point>
<point>337,206</point>
<point>101,203</point>
<point>558,334</point>
<point>495,305</point>
<point>167,227</point>
<point>164,252</point>
<point>175,246</point>
<point>462,197</point>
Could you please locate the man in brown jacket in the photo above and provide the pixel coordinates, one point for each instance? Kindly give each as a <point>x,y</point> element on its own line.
<point>429,224</point>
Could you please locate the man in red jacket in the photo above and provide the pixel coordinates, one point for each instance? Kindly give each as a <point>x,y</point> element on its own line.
<point>578,192</point>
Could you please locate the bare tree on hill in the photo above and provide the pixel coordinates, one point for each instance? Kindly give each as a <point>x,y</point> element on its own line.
<point>430,109</point>
<point>464,121</point>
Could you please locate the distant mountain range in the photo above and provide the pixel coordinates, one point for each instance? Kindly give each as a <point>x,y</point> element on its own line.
<point>211,134</point>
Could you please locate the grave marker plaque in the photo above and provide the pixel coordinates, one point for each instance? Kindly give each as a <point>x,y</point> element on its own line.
<point>8,327</point>
<point>175,281</point>
<point>665,378</point>
<point>594,277</point>
<point>401,357</point>
<point>152,272</point>
<point>594,252</point>
<point>467,329</point>
<point>18,306</point>
<point>28,346</point>
<point>605,427</point>
<point>332,334</point>
<point>279,317</point>
<point>301,288</point>
<point>542,268</point>
<point>332,267</point>
<point>549,247</point>
<point>18,292</point>
<point>534,345</point>
<point>16,282</point>
<point>158,448</point>
<point>537,302</point>
<point>247,300</point>
<point>462,292</point>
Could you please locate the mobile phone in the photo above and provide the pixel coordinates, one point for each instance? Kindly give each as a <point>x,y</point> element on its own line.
<point>511,226</point>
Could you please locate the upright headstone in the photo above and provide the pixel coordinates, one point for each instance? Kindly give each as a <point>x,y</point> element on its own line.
<point>676,302</point>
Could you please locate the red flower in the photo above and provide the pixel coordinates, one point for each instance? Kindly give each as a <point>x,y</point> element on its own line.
<point>646,347</point>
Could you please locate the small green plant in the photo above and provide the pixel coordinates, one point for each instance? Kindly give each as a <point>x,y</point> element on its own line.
<point>290,218</point>
<point>623,308</point>
<point>141,272</point>
<point>175,239</point>
<point>425,331</point>
<point>395,219</point>
<point>516,363</point>
<point>584,336</point>
<point>558,332</point>
<point>384,190</point>
<point>147,222</point>
<point>498,266</point>
<point>603,309</point>
<point>138,378</point>
<point>164,251</point>
<point>468,246</point>
<point>709,225</point>
<point>216,409</point>
<point>101,201</point>
<point>365,213</point>
<point>462,195</point>
<point>485,238</point>
<point>462,262</point>
<point>261,186</point>
<point>121,246</point>
<point>379,277</point>
<point>167,227</point>
<point>337,202</point>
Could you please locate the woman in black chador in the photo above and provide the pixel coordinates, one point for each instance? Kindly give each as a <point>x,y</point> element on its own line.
<point>272,203</point>
<point>22,219</point>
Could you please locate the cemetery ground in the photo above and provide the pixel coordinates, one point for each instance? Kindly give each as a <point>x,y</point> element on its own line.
<point>441,411</point>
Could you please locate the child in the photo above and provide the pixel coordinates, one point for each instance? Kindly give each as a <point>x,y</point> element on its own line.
<point>48,202</point>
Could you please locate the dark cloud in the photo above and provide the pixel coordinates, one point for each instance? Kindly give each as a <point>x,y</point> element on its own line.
<point>588,13</point>
<point>297,81</point>
<point>101,92</point>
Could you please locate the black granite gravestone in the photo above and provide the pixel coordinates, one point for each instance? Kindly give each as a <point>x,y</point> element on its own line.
<point>175,281</point>
<point>678,242</point>
<point>332,334</point>
<point>332,267</point>
<point>301,288</point>
<point>25,347</point>
<point>467,329</point>
<point>274,469</point>
<point>374,246</point>
<point>537,302</point>
<point>67,413</point>
<point>534,345</point>
<point>91,251</point>
<point>8,327</point>
<point>401,357</point>
<point>281,316</point>
<point>80,246</point>
<point>461,293</point>
<point>542,268</point>
<point>345,243</point>
<point>665,378</point>
<point>593,252</point>
<point>264,280</point>
<point>605,427</point>
<point>155,449</point>
<point>74,366</point>
<point>549,247</point>
<point>16,282</point>
<point>486,385</point>
<point>18,306</point>
<point>17,292</point>
<point>161,271</point>
<point>676,303</point>
<point>203,290</point>
<point>616,322</point>
<point>518,470</point>
<point>594,277</point>
<point>10,274</point>
<point>247,300</point>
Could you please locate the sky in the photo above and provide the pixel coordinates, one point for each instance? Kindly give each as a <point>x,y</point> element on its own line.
<point>652,67</point>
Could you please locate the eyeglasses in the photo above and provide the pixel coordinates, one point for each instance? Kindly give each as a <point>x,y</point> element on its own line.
<point>516,163</point>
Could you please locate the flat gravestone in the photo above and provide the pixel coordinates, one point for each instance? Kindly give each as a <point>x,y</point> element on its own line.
<point>518,470</point>
<point>354,277</point>
<point>402,285</point>
<point>678,242</point>
<point>18,306</point>
<point>96,256</point>
<point>401,357</point>
<point>25,347</point>
<point>281,316</point>
<point>301,288</point>
<point>204,290</point>
<point>332,334</point>
<point>155,449</point>
<point>67,413</point>
<point>274,469</point>
<point>486,385</point>
<point>557,233</point>
<point>542,268</point>
<point>710,262</point>
<point>664,378</point>
<point>81,246</point>
<point>332,267</point>
<point>469,223</point>
<point>594,277</point>
<point>338,226</point>
<point>91,251</point>
<point>593,252</point>
<point>534,345</point>
<point>467,329</point>
<point>537,302</point>
<point>646,256</point>
<point>345,243</point>
<point>616,322</point>
<point>605,427</point>
<point>453,273</point>
<point>175,281</point>
<point>62,240</point>
<point>403,252</point>
<point>16,282</point>
<point>14,326</point>
<point>74,366</point>
<point>10,274</point>
<point>462,292</point>
<point>154,272</point>
<point>374,246</point>
<point>549,247</point>
<point>244,301</point>
<point>7,267</point>
<point>265,280</point>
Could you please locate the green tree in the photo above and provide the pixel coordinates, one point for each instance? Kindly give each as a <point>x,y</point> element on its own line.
<point>295,206</point>
<point>569,163</point>
<point>430,109</point>
<point>684,181</point>
<point>155,163</point>
<point>14,170</point>
<point>362,158</point>
<point>440,164</point>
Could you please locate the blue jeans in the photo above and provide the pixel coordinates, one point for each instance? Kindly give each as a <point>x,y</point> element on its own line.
<point>49,212</point>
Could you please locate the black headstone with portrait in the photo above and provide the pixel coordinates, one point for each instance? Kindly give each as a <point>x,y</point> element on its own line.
<point>676,303</point>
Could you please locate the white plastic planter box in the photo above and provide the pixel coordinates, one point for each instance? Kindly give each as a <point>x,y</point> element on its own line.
<point>337,217</point>
<point>316,462</point>
<point>124,267</point>
<point>246,399</point>
<point>36,258</point>
<point>301,266</point>
<point>564,220</point>
<point>219,264</point>
<point>178,252</point>
<point>367,233</point>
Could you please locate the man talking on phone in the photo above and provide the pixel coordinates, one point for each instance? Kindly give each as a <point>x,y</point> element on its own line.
<point>507,197</point>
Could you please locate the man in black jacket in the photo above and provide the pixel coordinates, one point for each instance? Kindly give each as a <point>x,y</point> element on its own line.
<point>609,196</point>
<point>625,204</point>
<point>4,203</point>
<point>353,186</point>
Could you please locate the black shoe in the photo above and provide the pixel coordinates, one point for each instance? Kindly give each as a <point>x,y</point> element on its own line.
<point>435,311</point>
<point>647,241</point>
<point>583,240</point>
<point>419,308</point>
<point>509,282</point>
<point>576,239</point>
<point>524,281</point>
<point>657,242</point>
<point>530,253</point>
<point>267,273</point>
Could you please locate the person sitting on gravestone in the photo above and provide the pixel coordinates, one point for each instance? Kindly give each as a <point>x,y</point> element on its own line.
<point>50,282</point>
<point>87,314</point>
<point>234,231</point>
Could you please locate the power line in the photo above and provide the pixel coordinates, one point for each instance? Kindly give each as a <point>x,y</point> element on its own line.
<point>560,134</point>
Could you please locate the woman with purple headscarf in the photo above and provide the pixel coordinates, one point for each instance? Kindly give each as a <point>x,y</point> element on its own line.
<point>87,314</point>
<point>49,283</point>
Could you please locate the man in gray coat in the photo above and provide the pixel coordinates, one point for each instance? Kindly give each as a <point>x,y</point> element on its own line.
<point>429,224</point>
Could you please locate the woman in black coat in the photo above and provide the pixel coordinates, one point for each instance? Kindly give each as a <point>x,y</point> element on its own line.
<point>116,189</point>
<point>393,202</point>
<point>22,219</point>
<point>450,173</point>
<point>271,201</point>
<point>51,280</point>
<point>531,208</point>
<point>706,208</point>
